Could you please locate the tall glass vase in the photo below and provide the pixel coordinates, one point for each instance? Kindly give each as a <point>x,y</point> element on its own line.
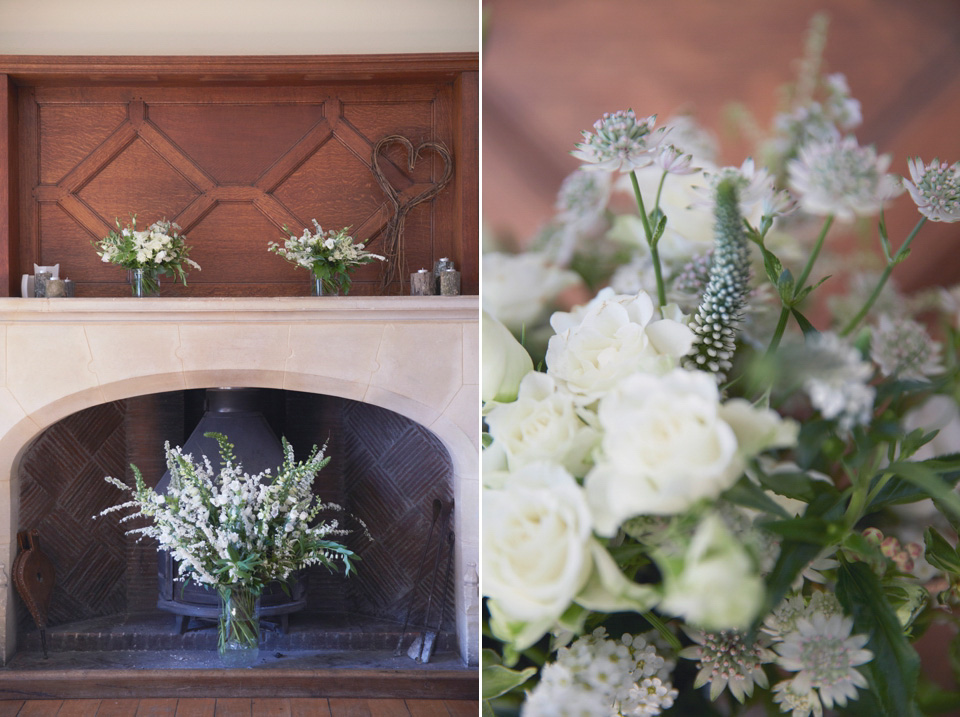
<point>144,282</point>
<point>324,287</point>
<point>239,643</point>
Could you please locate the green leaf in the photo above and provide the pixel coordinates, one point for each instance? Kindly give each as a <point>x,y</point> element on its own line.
<point>927,478</point>
<point>496,679</point>
<point>895,668</point>
<point>785,286</point>
<point>803,293</point>
<point>772,266</point>
<point>748,494</point>
<point>805,326</point>
<point>939,553</point>
<point>797,485</point>
<point>807,530</point>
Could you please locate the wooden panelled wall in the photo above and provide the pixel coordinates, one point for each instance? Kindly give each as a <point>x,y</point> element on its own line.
<point>232,149</point>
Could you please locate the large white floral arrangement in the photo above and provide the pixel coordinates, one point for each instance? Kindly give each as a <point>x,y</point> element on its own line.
<point>697,488</point>
<point>227,527</point>
<point>158,249</point>
<point>330,255</point>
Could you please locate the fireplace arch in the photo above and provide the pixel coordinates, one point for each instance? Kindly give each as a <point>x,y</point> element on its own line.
<point>415,356</point>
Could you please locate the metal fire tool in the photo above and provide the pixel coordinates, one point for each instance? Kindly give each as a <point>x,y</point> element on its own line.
<point>418,647</point>
<point>437,506</point>
<point>34,577</point>
<point>430,638</point>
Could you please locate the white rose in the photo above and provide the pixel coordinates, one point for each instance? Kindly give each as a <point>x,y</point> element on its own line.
<point>665,446</point>
<point>614,337</point>
<point>503,361</point>
<point>758,429</point>
<point>536,548</point>
<point>519,288</point>
<point>719,587</point>
<point>542,424</point>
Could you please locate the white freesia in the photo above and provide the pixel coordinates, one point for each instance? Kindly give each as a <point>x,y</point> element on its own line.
<point>518,289</point>
<point>595,349</point>
<point>504,362</point>
<point>536,549</point>
<point>542,424</point>
<point>719,587</point>
<point>665,446</point>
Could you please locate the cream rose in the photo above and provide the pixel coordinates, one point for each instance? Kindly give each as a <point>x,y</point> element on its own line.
<point>665,446</point>
<point>518,289</point>
<point>542,424</point>
<point>504,362</point>
<point>536,549</point>
<point>719,587</point>
<point>613,337</point>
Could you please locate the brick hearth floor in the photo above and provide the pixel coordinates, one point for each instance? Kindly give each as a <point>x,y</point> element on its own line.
<point>238,707</point>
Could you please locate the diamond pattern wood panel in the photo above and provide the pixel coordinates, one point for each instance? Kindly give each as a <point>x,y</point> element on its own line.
<point>232,166</point>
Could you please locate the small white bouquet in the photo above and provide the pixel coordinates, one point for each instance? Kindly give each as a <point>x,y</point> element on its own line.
<point>158,249</point>
<point>330,255</point>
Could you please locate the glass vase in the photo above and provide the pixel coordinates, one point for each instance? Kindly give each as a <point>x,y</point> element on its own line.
<point>324,287</point>
<point>239,628</point>
<point>144,282</point>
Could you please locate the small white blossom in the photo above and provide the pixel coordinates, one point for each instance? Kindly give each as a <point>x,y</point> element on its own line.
<point>841,178</point>
<point>903,348</point>
<point>519,289</point>
<point>674,161</point>
<point>935,189</point>
<point>600,677</point>
<point>621,142</point>
<point>824,655</point>
<point>797,703</point>
<point>726,660</point>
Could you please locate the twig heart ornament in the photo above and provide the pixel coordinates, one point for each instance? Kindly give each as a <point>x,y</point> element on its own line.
<point>393,236</point>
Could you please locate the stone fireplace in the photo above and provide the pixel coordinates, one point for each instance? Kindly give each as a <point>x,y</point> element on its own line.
<point>417,357</point>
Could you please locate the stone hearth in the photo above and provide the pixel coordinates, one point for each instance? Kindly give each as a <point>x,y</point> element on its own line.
<point>417,356</point>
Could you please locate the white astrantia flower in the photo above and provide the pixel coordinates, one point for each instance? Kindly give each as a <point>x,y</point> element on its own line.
<point>756,190</point>
<point>825,657</point>
<point>797,703</point>
<point>542,424</point>
<point>583,197</point>
<point>597,346</point>
<point>718,585</point>
<point>935,189</point>
<point>834,376</point>
<point>784,618</point>
<point>613,678</point>
<point>518,289</point>
<point>504,362</point>
<point>727,660</point>
<point>536,548</point>
<point>842,179</point>
<point>674,161</point>
<point>620,142</point>
<point>903,348</point>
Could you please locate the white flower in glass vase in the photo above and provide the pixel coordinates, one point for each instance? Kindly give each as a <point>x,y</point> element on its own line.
<point>612,337</point>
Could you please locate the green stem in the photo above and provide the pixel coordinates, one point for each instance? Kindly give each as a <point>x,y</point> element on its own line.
<point>656,204</point>
<point>778,332</point>
<point>662,628</point>
<point>654,254</point>
<point>900,255</point>
<point>813,256</point>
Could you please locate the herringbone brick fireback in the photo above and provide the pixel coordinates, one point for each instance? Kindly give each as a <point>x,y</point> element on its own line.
<point>385,469</point>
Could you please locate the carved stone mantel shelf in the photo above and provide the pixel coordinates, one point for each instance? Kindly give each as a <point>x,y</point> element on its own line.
<point>418,356</point>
